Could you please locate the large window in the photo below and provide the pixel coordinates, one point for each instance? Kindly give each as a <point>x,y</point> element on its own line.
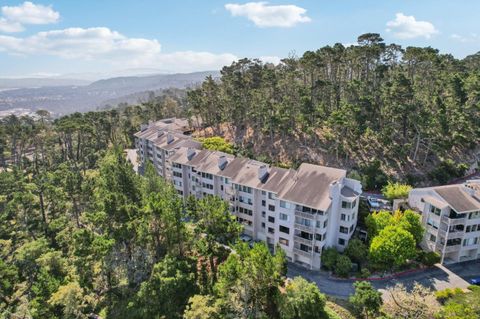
<point>207,175</point>
<point>284,229</point>
<point>283,216</point>
<point>271,208</point>
<point>283,241</point>
<point>346,205</point>
<point>271,219</point>
<point>435,210</point>
<point>344,230</point>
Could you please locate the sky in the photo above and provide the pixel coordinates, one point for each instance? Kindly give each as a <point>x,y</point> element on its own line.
<point>68,38</point>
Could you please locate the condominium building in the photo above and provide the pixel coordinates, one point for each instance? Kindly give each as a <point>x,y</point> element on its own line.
<point>303,211</point>
<point>451,216</point>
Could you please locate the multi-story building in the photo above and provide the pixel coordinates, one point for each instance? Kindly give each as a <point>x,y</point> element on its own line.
<point>451,216</point>
<point>303,211</point>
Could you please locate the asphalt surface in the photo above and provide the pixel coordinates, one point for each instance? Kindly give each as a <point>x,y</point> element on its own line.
<point>437,278</point>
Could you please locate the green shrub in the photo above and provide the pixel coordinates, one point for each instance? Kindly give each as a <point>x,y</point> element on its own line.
<point>429,258</point>
<point>365,273</point>
<point>443,295</point>
<point>343,266</point>
<point>396,190</point>
<point>217,143</point>
<point>329,258</point>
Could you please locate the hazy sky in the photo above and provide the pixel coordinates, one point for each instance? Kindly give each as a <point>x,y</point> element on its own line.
<point>63,37</point>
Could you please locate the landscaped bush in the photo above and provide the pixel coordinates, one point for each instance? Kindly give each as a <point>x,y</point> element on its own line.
<point>329,258</point>
<point>443,295</point>
<point>343,266</point>
<point>365,273</point>
<point>429,258</point>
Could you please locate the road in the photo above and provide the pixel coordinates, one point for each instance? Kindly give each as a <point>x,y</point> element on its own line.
<point>438,277</point>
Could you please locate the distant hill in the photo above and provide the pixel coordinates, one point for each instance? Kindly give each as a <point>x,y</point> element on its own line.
<point>7,83</point>
<point>81,98</point>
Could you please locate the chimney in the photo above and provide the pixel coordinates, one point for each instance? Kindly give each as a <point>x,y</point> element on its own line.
<point>190,153</point>
<point>262,172</point>
<point>222,162</point>
<point>143,127</point>
<point>169,138</point>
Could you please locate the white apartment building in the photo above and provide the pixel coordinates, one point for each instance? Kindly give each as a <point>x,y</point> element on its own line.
<point>451,216</point>
<point>302,210</point>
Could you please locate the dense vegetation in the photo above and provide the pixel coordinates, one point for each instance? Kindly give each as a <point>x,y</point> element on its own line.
<point>403,111</point>
<point>82,234</point>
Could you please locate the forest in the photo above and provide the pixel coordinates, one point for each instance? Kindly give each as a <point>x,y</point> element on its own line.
<point>410,114</point>
<point>83,236</point>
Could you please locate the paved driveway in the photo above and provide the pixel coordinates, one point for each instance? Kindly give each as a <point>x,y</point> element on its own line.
<point>437,278</point>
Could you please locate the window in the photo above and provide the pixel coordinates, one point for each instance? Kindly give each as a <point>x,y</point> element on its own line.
<point>344,230</point>
<point>177,174</point>
<point>318,237</point>
<point>263,214</point>
<point>319,224</point>
<point>469,229</point>
<point>249,201</point>
<point>303,221</point>
<point>435,210</point>
<point>341,242</point>
<point>271,219</point>
<point>342,217</point>
<point>346,205</point>
<point>283,241</point>
<point>433,238</point>
<point>271,208</point>
<point>271,230</point>
<point>207,175</point>
<point>325,224</point>
<point>227,181</point>
<point>283,204</point>
<point>263,225</point>
<point>245,211</point>
<point>474,215</point>
<point>176,165</point>
<point>432,223</point>
<point>207,186</point>
<point>284,229</point>
<point>221,188</point>
<point>264,203</point>
<point>283,216</point>
<point>469,242</point>
<point>264,193</point>
<point>271,196</point>
<point>305,248</point>
<point>351,228</point>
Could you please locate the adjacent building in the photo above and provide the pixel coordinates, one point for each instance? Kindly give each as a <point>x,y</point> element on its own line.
<point>451,216</point>
<point>303,210</point>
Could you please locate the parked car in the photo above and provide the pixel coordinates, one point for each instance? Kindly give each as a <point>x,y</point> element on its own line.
<point>475,281</point>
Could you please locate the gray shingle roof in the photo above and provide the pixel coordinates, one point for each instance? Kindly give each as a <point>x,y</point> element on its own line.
<point>458,198</point>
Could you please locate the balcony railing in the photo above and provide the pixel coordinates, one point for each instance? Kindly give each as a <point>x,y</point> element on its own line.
<point>303,227</point>
<point>302,252</point>
<point>303,240</point>
<point>304,215</point>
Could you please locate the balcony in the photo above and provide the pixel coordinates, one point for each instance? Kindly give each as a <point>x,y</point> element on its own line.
<point>304,215</point>
<point>303,240</point>
<point>303,227</point>
<point>454,221</point>
<point>302,253</point>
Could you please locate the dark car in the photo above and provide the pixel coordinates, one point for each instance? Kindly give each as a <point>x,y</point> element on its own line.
<point>475,281</point>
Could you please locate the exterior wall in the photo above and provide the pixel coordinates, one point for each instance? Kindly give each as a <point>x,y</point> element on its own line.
<point>455,239</point>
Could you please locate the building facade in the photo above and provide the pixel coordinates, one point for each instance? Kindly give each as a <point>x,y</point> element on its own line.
<point>451,216</point>
<point>303,211</point>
